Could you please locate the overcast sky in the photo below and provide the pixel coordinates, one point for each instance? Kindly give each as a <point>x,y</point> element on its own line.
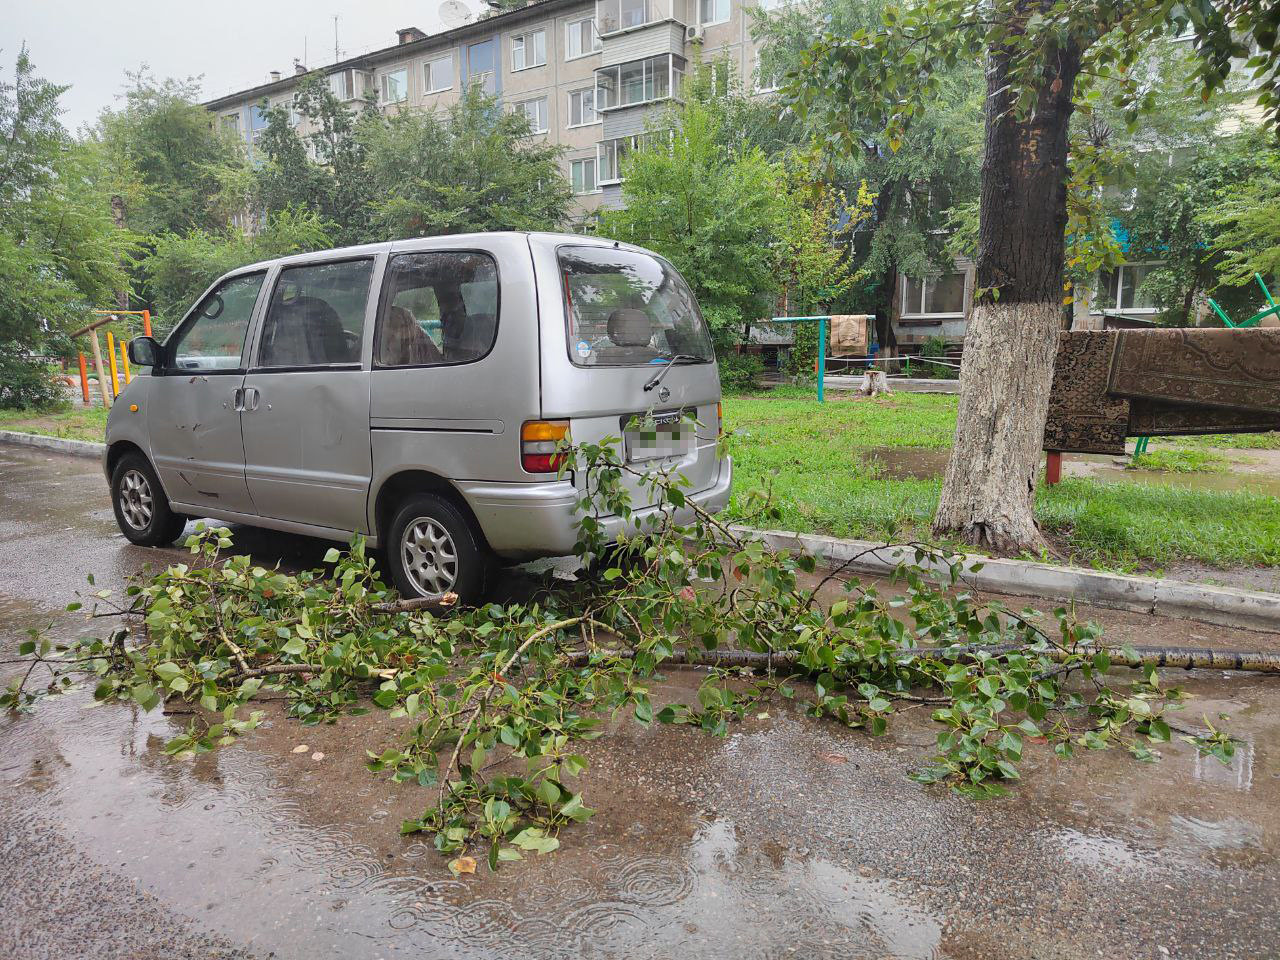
<point>232,44</point>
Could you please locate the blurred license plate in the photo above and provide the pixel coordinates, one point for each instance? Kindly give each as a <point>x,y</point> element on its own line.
<point>659,436</point>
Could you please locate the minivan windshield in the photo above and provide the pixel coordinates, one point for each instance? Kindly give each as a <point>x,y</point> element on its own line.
<point>627,308</point>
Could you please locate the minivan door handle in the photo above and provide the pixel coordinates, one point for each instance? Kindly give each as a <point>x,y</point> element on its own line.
<point>237,399</point>
<point>252,395</point>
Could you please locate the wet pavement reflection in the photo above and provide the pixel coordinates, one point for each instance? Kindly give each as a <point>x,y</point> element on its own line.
<point>789,837</point>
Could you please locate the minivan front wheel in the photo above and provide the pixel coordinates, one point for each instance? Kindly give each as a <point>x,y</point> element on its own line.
<point>432,550</point>
<point>141,508</point>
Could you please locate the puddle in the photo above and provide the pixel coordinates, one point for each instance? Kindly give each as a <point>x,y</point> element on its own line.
<point>694,887</point>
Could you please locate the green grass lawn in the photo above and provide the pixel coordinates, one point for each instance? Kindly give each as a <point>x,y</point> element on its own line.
<point>824,465</point>
<point>75,423</point>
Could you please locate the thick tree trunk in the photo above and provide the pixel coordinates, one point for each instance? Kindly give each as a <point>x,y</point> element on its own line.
<point>1012,337</point>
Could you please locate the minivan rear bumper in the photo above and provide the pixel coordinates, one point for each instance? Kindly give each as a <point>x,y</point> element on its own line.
<point>526,520</point>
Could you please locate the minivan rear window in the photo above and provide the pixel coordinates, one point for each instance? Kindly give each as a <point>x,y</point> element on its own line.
<point>627,308</point>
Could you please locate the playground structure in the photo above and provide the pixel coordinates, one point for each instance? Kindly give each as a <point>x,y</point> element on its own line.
<point>117,355</point>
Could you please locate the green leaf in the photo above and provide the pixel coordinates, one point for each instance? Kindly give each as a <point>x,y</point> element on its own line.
<point>331,555</point>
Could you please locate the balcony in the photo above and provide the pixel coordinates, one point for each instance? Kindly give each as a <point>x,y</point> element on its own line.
<point>618,16</point>
<point>638,82</point>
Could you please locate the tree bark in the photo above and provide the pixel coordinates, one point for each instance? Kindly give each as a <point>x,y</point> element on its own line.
<point>1012,336</point>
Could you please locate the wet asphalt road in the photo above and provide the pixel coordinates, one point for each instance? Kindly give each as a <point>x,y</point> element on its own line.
<point>791,837</point>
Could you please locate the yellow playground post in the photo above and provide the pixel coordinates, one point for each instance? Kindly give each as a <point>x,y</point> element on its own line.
<point>124,361</point>
<point>115,375</point>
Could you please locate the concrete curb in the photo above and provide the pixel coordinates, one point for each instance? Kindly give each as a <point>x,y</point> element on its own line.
<point>1180,599</point>
<point>900,384</point>
<point>76,448</point>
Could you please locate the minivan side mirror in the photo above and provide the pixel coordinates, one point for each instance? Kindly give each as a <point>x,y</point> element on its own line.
<point>145,352</point>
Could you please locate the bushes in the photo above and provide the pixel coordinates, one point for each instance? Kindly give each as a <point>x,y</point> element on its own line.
<point>27,383</point>
<point>739,371</point>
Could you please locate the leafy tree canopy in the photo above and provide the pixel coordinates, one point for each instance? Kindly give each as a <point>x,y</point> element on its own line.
<point>61,252</point>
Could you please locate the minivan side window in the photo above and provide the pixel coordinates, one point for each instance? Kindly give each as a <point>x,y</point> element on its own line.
<point>213,338</point>
<point>437,309</point>
<point>316,316</point>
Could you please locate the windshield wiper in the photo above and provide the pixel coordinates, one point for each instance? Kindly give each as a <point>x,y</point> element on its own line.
<point>657,377</point>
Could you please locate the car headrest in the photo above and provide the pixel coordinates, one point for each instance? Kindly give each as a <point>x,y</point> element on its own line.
<point>629,327</point>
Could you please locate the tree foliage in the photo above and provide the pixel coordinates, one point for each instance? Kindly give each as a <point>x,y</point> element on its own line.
<point>710,204</point>
<point>474,167</point>
<point>170,160</point>
<point>181,266</point>
<point>61,252</point>
<point>932,168</point>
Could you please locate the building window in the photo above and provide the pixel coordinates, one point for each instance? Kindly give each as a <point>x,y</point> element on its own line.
<point>342,85</point>
<point>257,123</point>
<point>582,174</point>
<point>638,82</point>
<point>536,111</point>
<point>581,38</point>
<point>582,107</point>
<point>933,296</point>
<point>713,11</point>
<point>437,74</point>
<point>395,86</point>
<point>482,63</point>
<point>295,115</point>
<point>609,157</point>
<point>767,78</point>
<point>614,15</point>
<point>529,50</point>
<point>231,124</point>
<point>1120,289</point>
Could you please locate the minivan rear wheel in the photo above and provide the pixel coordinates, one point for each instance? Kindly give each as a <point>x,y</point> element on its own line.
<point>432,549</point>
<point>142,510</point>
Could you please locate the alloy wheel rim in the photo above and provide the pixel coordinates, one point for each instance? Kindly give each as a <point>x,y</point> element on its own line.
<point>430,558</point>
<point>136,502</point>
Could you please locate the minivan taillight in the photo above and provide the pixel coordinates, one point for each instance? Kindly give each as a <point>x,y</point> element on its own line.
<point>539,441</point>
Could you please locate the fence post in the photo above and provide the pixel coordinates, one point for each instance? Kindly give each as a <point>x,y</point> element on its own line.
<point>822,357</point>
<point>84,381</point>
<point>146,322</point>
<point>98,369</point>
<point>115,374</point>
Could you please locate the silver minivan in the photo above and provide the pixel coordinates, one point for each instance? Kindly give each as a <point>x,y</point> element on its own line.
<point>415,392</point>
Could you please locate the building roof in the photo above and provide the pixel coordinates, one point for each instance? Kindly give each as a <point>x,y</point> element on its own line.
<point>371,59</point>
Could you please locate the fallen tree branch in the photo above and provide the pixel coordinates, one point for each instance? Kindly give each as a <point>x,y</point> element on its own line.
<point>416,604</point>
<point>1187,658</point>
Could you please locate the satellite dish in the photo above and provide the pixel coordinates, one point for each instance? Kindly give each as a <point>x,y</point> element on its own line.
<point>454,13</point>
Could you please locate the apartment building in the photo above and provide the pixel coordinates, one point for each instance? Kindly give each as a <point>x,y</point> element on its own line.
<point>588,73</point>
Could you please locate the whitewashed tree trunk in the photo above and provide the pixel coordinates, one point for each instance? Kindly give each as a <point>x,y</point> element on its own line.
<point>988,494</point>
<point>1009,347</point>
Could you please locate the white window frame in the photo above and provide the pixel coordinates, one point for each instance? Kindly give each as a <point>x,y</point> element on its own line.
<point>758,79</point>
<point>594,161</point>
<point>428,74</point>
<point>594,112</point>
<point>652,10</point>
<point>728,12</point>
<point>545,111</point>
<point>1114,294</point>
<point>521,43</point>
<point>596,43</point>
<point>231,124</point>
<point>675,74</point>
<point>634,144</point>
<point>382,85</point>
<point>343,85</point>
<point>922,281</point>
